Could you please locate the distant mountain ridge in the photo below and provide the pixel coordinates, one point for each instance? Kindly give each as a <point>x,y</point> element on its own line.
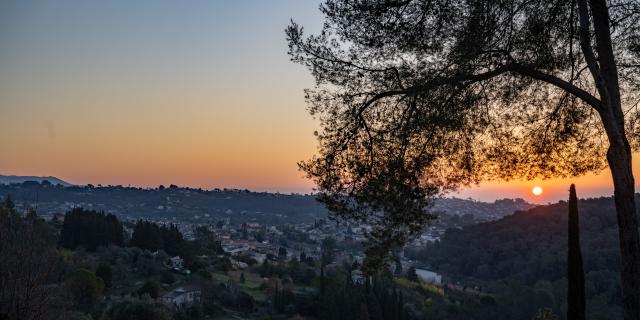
<point>200,205</point>
<point>21,179</point>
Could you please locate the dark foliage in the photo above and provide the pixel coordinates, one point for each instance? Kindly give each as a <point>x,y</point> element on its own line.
<point>416,98</point>
<point>150,288</point>
<point>327,251</point>
<point>151,236</point>
<point>104,272</point>
<point>90,229</point>
<point>136,310</point>
<point>147,235</point>
<point>85,288</point>
<point>575,272</point>
<point>377,298</point>
<point>30,267</point>
<point>522,259</point>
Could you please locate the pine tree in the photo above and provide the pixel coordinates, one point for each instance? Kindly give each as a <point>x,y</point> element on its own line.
<point>575,274</point>
<point>400,306</point>
<point>322,284</point>
<point>90,229</point>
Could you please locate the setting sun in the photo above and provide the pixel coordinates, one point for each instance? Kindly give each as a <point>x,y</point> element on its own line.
<point>537,190</point>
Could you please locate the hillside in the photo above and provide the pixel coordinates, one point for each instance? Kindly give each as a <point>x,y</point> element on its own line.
<point>22,179</point>
<point>522,258</point>
<point>203,205</point>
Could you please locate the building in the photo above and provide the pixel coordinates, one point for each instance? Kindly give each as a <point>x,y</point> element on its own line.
<point>358,277</point>
<point>182,297</point>
<point>430,277</point>
<point>176,263</point>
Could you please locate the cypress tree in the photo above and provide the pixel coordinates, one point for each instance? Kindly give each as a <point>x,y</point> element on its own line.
<point>575,274</point>
<point>400,306</point>
<point>322,284</point>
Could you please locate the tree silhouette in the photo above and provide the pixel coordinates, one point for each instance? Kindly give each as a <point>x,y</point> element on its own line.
<point>327,248</point>
<point>90,229</point>
<point>30,266</point>
<point>417,98</point>
<point>575,272</point>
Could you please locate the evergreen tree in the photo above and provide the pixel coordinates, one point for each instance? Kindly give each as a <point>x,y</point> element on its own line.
<point>242,280</point>
<point>322,281</point>
<point>400,306</point>
<point>575,273</point>
<point>468,90</point>
<point>172,240</point>
<point>90,229</point>
<point>282,253</point>
<point>146,235</point>
<point>327,250</point>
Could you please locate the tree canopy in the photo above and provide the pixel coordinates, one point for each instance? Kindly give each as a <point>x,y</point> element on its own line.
<point>90,229</point>
<point>419,97</point>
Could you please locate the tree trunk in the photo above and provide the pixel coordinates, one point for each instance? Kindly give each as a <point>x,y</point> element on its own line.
<point>605,75</point>
<point>619,158</point>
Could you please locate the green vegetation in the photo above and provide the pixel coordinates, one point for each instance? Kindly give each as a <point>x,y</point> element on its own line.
<point>514,268</point>
<point>130,282</point>
<point>522,260</point>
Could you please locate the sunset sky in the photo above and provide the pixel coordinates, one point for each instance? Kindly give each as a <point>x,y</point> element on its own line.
<point>194,93</point>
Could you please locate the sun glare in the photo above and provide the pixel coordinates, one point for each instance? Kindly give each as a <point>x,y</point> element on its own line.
<point>537,190</point>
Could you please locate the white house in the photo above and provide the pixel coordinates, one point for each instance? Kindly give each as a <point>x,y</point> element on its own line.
<point>182,296</point>
<point>358,277</point>
<point>427,276</point>
<point>176,263</point>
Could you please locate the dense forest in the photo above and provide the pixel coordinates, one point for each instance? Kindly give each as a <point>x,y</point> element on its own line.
<point>90,229</point>
<point>522,259</point>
